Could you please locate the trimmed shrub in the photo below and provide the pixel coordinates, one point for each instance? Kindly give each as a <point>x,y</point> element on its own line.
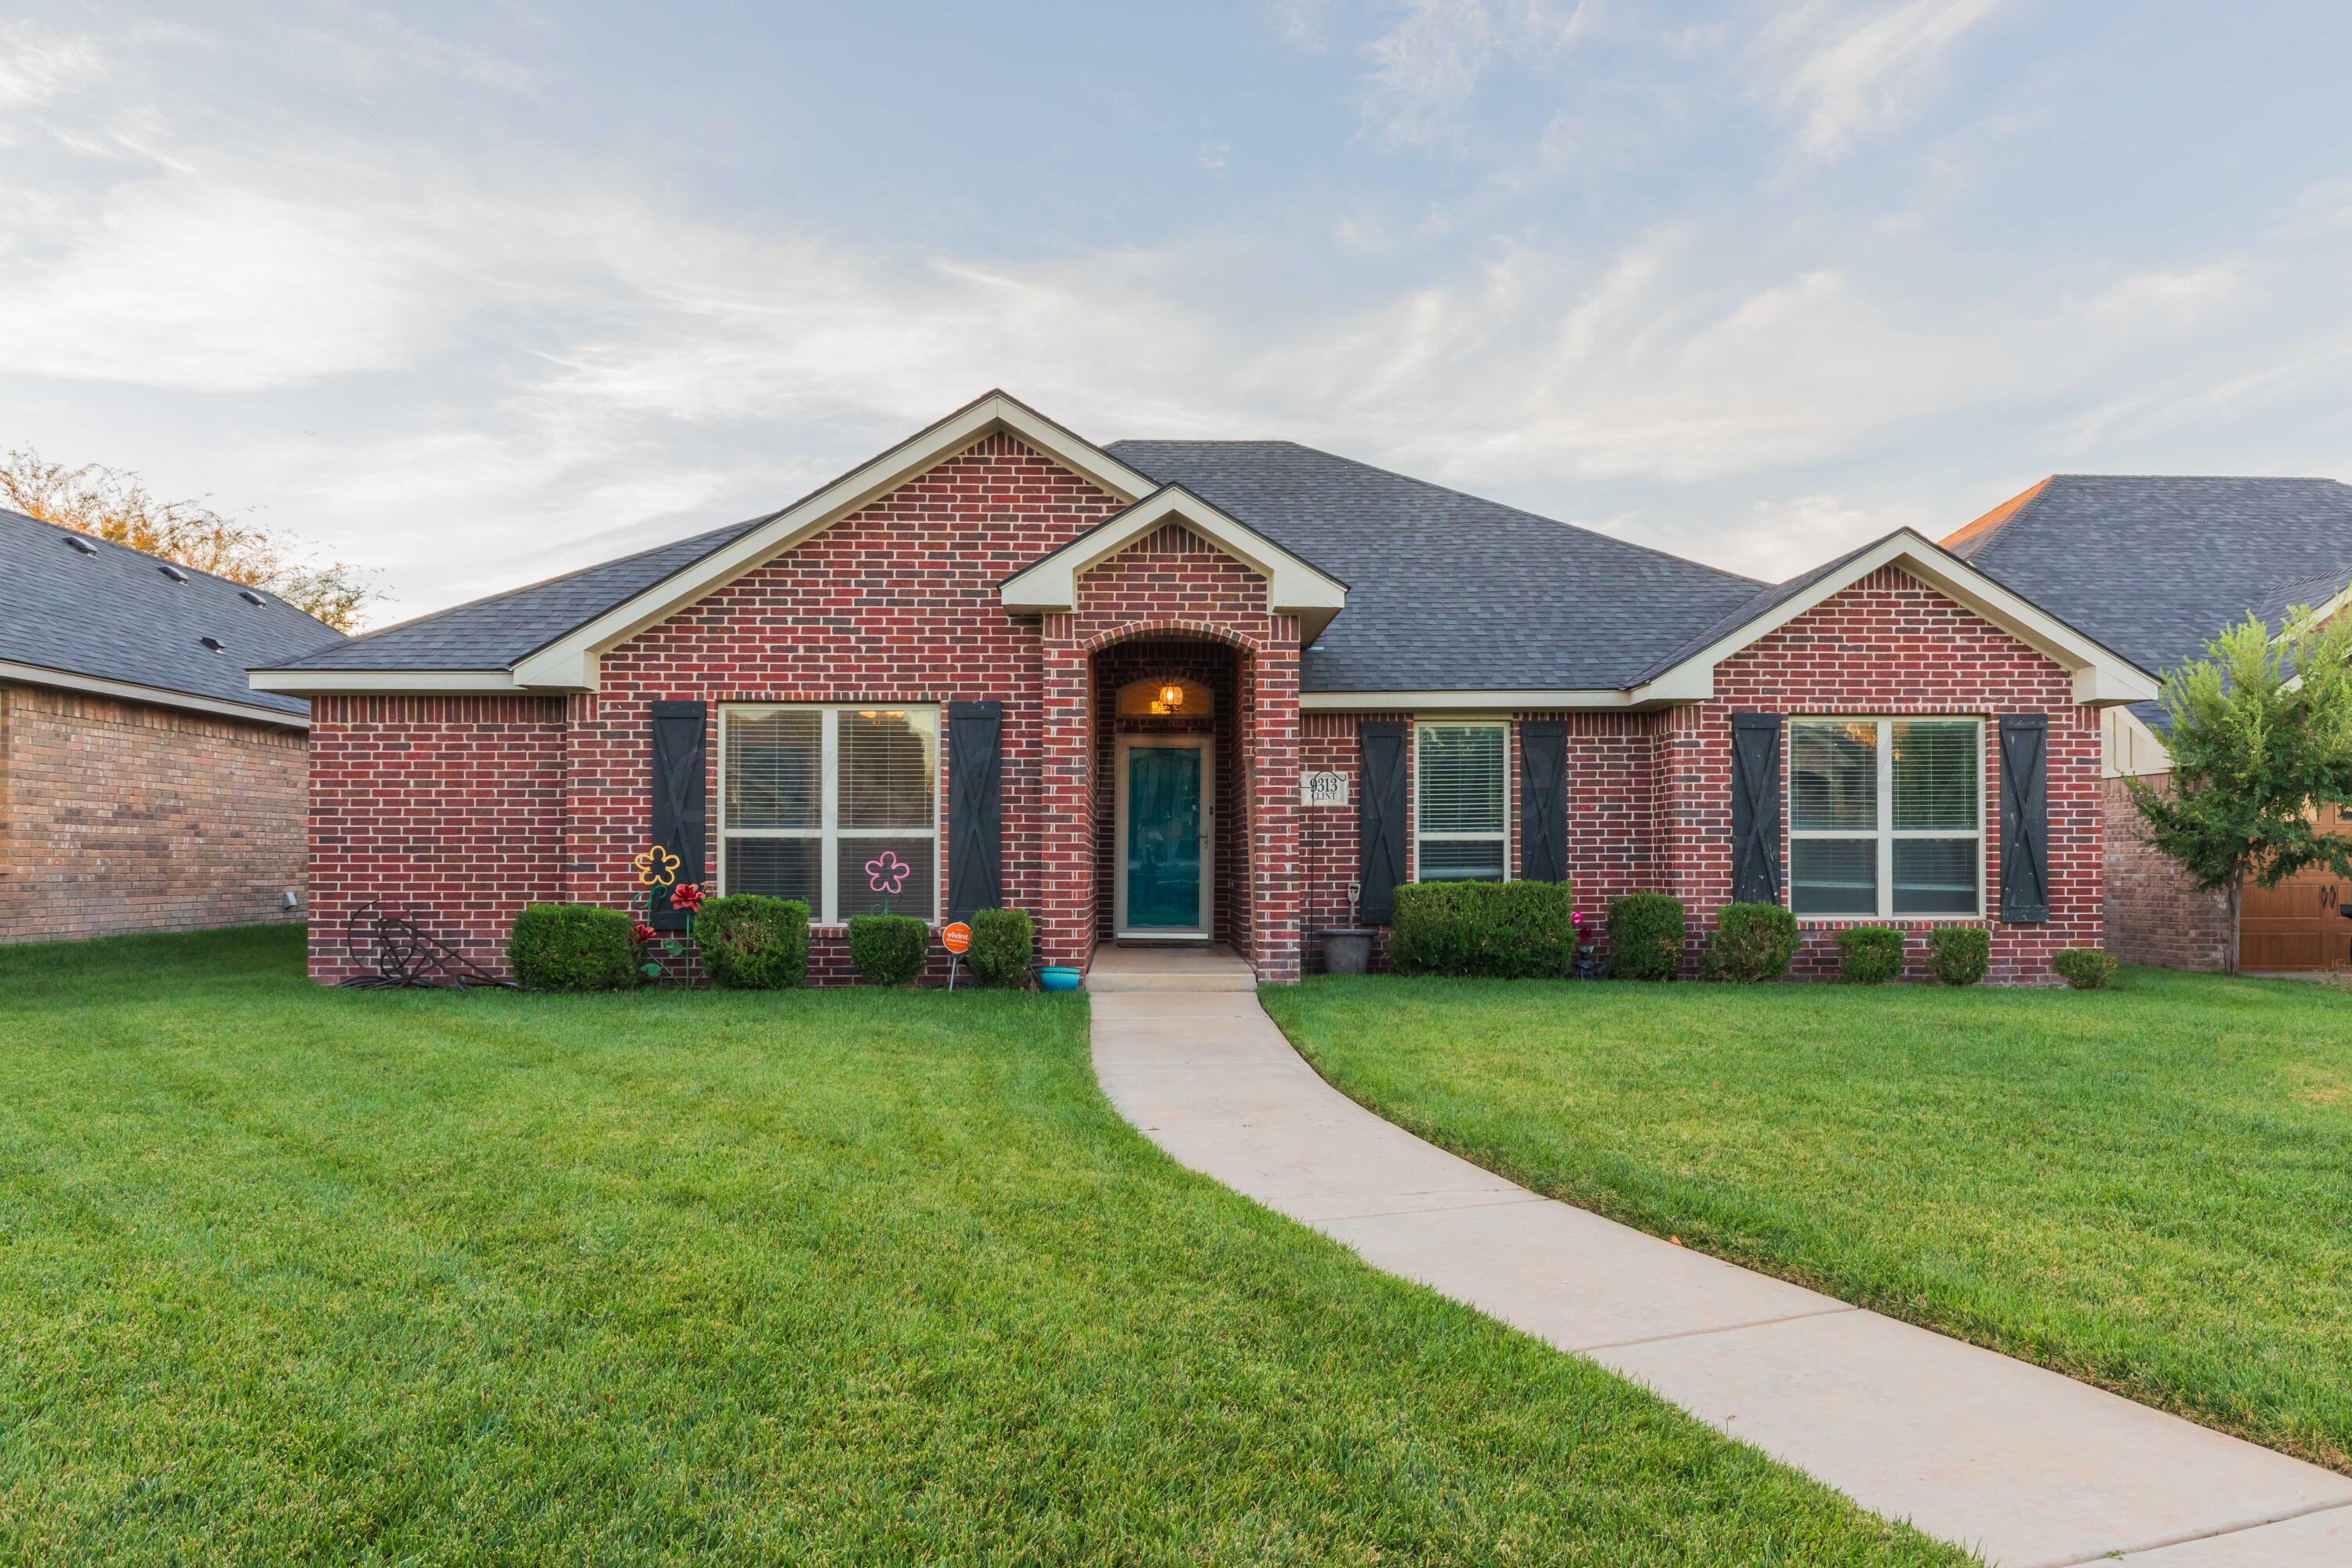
<point>1751,942</point>
<point>573,947</point>
<point>1959,954</point>
<point>888,950</point>
<point>753,943</point>
<point>2086,968</point>
<point>1645,936</point>
<point>1869,955</point>
<point>1499,930</point>
<point>1003,945</point>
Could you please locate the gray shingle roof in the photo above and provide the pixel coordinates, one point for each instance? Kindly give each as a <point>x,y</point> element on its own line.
<point>114,614</point>
<point>1447,592</point>
<point>2154,566</point>
<point>503,629</point>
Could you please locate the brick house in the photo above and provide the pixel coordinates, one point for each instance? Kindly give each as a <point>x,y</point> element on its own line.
<point>1198,690</point>
<point>2156,566</point>
<point>143,784</point>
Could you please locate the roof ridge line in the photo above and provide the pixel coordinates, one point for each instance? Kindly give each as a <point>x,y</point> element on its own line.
<point>1483,501</point>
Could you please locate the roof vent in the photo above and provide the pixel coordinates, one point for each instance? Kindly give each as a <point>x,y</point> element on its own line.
<point>173,572</point>
<point>250,597</point>
<point>212,643</point>
<point>76,542</point>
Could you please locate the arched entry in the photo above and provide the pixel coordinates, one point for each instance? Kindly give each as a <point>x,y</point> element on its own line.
<point>1171,863</point>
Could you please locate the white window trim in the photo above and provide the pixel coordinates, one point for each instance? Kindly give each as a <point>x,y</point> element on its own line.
<point>1887,833</point>
<point>828,833</point>
<point>1449,723</point>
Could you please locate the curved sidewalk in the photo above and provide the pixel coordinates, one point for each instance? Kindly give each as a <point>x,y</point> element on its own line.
<point>2031,1469</point>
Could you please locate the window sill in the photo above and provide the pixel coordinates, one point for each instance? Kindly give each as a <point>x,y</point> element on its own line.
<point>1827,922</point>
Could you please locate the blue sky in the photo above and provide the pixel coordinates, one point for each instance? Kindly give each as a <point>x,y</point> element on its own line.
<point>476,293</point>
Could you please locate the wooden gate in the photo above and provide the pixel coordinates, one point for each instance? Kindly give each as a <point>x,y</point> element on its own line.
<point>2297,924</point>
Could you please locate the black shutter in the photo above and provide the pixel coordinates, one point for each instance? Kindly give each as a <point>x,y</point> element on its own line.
<point>679,816</point>
<point>2025,817</point>
<point>1380,817</point>
<point>1756,808</point>
<point>975,807</point>
<point>1543,800</point>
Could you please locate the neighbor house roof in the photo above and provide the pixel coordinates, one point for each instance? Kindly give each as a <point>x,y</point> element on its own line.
<point>2155,565</point>
<point>1445,594</point>
<point>81,613</point>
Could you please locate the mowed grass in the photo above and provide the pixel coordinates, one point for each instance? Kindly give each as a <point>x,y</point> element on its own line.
<point>299,1276</point>
<point>2151,1188</point>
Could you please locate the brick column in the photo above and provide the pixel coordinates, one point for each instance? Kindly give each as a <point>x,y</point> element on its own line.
<point>1065,814</point>
<point>1276,880</point>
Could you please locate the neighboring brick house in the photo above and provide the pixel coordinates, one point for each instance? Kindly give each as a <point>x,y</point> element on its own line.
<point>1196,690</point>
<point>2155,566</point>
<point>143,784</point>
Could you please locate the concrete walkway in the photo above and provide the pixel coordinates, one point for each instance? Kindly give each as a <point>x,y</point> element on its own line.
<point>2026,1467</point>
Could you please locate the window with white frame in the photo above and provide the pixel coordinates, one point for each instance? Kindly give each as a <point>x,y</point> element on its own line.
<point>836,805</point>
<point>1887,817</point>
<point>1461,803</point>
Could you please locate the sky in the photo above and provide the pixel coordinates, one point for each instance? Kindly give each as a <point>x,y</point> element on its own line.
<point>470,295</point>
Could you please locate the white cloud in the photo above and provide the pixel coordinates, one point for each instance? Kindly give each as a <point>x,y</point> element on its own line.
<point>2150,302</point>
<point>1843,76</point>
<point>37,66</point>
<point>1426,68</point>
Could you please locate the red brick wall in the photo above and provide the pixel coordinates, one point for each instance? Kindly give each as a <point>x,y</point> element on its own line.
<point>1887,647</point>
<point>117,817</point>
<point>1649,794</point>
<point>2153,916</point>
<point>447,810</point>
<point>897,603</point>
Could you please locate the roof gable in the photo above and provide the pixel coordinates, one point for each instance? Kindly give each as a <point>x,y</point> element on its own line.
<point>1294,586</point>
<point>2101,676</point>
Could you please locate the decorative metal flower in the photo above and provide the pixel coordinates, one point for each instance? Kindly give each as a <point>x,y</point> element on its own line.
<point>656,868</point>
<point>687,896</point>
<point>885,873</point>
<point>641,933</point>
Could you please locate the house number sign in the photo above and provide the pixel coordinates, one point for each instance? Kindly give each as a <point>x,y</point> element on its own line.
<point>1323,789</point>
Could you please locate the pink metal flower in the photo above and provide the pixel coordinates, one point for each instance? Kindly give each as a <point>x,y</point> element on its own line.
<point>885,873</point>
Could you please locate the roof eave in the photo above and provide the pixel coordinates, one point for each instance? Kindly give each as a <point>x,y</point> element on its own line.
<point>152,696</point>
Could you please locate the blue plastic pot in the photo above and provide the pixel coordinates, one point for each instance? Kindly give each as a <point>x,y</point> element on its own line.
<point>1057,977</point>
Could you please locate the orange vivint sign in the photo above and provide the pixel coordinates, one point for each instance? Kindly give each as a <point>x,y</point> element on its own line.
<point>955,938</point>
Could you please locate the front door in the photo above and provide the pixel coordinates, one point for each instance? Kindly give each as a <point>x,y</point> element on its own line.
<point>1163,836</point>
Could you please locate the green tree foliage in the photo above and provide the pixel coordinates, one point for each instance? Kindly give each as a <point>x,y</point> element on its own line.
<point>2261,734</point>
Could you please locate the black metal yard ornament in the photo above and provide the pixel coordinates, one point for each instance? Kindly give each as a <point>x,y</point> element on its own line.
<point>399,957</point>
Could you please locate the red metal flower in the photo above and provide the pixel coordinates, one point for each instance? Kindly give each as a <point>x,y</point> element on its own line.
<point>687,896</point>
<point>641,933</point>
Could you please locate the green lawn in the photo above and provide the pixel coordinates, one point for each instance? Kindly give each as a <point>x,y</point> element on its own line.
<point>293,1275</point>
<point>2151,1188</point>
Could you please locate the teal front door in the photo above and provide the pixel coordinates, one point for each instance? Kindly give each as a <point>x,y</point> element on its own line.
<point>1162,848</point>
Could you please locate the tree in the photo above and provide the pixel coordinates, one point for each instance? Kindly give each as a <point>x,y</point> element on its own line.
<point>114,505</point>
<point>2262,737</point>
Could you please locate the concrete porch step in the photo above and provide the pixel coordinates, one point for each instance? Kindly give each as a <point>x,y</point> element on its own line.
<point>1204,968</point>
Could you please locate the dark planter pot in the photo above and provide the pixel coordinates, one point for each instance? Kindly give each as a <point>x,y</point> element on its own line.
<point>1347,950</point>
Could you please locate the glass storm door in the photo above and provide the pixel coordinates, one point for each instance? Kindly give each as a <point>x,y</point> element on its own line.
<point>1159,872</point>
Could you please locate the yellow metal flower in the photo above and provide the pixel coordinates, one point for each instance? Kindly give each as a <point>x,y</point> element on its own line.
<point>656,868</point>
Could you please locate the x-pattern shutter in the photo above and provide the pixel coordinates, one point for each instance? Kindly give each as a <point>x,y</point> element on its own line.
<point>1543,803</point>
<point>2025,817</point>
<point>1756,808</point>
<point>680,818</point>
<point>975,807</point>
<point>1380,817</point>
